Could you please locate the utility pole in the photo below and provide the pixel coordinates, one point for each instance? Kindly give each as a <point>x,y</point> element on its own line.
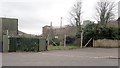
<point>51,30</point>
<point>81,37</point>
<point>48,42</point>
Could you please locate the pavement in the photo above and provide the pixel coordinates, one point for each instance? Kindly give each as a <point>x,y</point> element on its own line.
<point>75,57</point>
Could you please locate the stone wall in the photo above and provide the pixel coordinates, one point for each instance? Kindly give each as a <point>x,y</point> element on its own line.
<point>106,43</point>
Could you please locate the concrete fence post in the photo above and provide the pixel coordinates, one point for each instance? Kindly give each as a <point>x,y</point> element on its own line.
<point>93,43</point>
<point>42,44</point>
<point>5,43</point>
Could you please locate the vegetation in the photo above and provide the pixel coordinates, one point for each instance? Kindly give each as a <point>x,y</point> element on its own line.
<point>76,14</point>
<point>96,32</point>
<point>105,11</point>
<point>62,47</point>
<point>75,19</point>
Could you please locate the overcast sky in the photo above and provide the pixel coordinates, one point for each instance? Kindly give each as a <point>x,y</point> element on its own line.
<point>34,14</point>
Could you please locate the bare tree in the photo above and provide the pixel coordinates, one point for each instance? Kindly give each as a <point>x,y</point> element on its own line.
<point>105,11</point>
<point>76,20</point>
<point>76,15</point>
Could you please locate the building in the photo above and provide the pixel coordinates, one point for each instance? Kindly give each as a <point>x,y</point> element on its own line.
<point>8,26</point>
<point>60,32</point>
<point>66,30</point>
<point>46,30</point>
<point>86,22</point>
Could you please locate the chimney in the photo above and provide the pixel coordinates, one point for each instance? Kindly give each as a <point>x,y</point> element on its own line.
<point>61,23</point>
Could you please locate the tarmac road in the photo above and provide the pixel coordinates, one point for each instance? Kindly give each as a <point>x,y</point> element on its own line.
<point>76,57</point>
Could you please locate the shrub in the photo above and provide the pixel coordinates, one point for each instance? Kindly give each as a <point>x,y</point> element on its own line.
<point>100,32</point>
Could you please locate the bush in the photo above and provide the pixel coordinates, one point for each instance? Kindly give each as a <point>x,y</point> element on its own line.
<point>107,33</point>
<point>89,32</point>
<point>100,32</point>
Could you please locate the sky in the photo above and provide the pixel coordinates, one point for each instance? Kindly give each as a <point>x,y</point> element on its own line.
<point>32,15</point>
<point>119,9</point>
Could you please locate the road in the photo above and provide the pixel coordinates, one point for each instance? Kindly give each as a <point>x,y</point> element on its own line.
<point>76,57</point>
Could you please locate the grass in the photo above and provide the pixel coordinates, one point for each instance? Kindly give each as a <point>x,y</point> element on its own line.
<point>62,47</point>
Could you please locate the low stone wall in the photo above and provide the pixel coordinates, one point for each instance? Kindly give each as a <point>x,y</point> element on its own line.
<point>107,43</point>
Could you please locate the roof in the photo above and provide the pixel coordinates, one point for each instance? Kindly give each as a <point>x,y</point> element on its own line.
<point>7,18</point>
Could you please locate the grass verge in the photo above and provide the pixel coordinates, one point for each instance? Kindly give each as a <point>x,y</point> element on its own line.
<point>62,47</point>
